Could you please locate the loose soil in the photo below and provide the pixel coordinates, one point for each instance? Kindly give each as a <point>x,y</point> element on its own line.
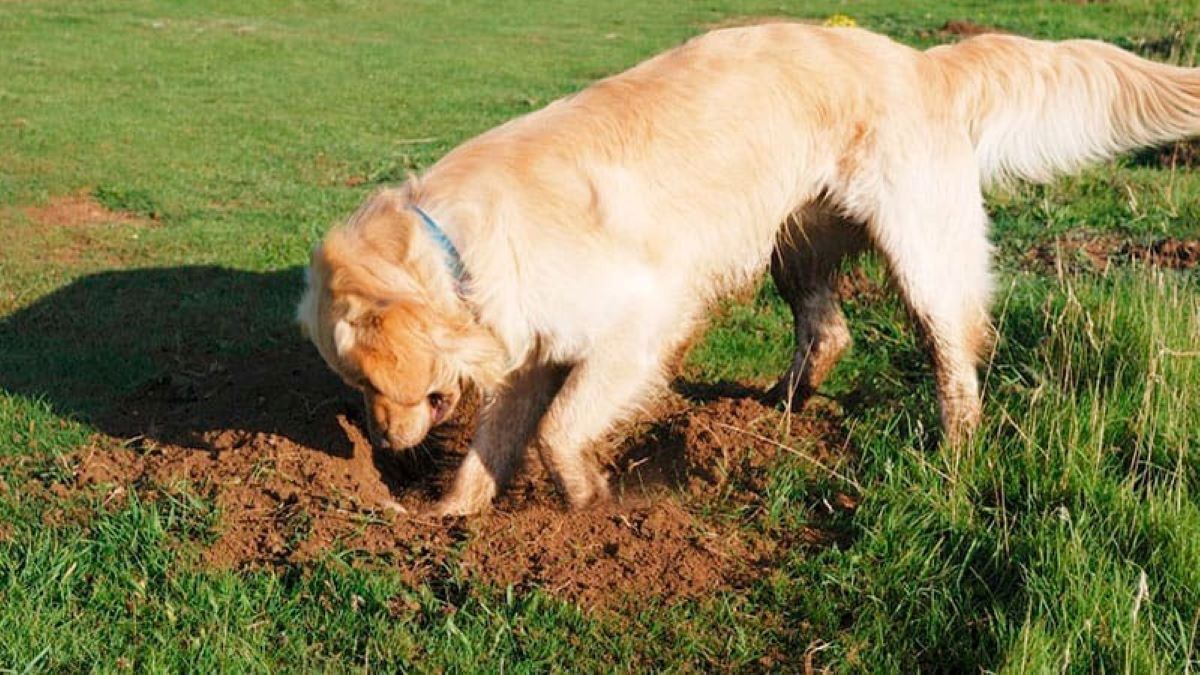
<point>1180,154</point>
<point>857,284</point>
<point>1098,252</point>
<point>71,229</point>
<point>964,29</point>
<point>78,210</point>
<point>277,444</point>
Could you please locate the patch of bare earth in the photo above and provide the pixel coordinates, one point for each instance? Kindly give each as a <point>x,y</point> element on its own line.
<point>276,443</point>
<point>1177,155</point>
<point>962,28</point>
<point>857,284</point>
<point>71,228</point>
<point>1098,252</point>
<point>78,210</point>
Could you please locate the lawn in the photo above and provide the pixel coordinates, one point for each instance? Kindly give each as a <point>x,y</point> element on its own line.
<point>165,169</point>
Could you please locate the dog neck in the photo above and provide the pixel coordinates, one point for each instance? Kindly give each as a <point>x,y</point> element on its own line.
<point>468,212</point>
<point>453,260</point>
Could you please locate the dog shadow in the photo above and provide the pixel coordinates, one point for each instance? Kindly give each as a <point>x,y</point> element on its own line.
<point>196,357</point>
<point>210,358</point>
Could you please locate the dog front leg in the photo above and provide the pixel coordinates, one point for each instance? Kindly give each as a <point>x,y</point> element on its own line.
<point>505,427</point>
<point>600,390</point>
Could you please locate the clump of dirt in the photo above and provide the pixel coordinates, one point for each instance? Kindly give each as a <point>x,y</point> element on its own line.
<point>1177,155</point>
<point>726,442</point>
<point>79,210</point>
<point>276,443</point>
<point>1176,44</point>
<point>1174,253</point>
<point>1098,252</point>
<point>857,284</point>
<point>961,28</point>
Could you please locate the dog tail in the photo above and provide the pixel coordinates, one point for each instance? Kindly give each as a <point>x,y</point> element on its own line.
<point>1039,109</point>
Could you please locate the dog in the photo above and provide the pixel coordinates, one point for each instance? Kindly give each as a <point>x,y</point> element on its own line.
<point>558,261</point>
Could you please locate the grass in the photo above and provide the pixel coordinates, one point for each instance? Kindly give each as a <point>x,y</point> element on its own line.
<point>1066,537</point>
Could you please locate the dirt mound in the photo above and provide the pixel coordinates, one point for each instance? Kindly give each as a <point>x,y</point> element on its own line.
<point>78,210</point>
<point>1082,251</point>
<point>275,442</point>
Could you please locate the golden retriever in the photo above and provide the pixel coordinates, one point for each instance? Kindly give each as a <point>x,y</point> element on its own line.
<point>559,260</point>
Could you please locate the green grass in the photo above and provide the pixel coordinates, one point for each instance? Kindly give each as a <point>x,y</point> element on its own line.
<point>1066,537</point>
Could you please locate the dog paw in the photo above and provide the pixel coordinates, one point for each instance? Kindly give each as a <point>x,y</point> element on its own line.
<point>597,492</point>
<point>455,508</point>
<point>787,394</point>
<point>393,506</point>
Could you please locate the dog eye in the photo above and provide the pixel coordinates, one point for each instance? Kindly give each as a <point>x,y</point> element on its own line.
<point>436,399</point>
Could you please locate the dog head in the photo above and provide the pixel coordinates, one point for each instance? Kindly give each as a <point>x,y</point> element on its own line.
<point>382,310</point>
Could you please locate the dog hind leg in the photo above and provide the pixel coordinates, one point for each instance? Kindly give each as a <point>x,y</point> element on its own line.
<point>934,238</point>
<point>804,266</point>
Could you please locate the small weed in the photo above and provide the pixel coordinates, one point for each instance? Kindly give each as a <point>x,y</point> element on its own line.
<point>128,200</point>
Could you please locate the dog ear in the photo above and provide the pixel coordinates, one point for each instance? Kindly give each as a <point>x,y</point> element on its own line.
<point>387,225</point>
<point>353,315</point>
<point>343,337</point>
<point>474,354</point>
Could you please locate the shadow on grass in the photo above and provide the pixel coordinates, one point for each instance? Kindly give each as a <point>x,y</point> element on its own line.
<point>170,354</point>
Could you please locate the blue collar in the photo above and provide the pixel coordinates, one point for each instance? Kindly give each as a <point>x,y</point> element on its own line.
<point>453,259</point>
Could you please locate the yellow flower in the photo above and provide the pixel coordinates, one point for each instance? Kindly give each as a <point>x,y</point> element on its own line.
<point>840,21</point>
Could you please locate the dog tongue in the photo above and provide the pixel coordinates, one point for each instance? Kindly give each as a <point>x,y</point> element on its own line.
<point>439,410</point>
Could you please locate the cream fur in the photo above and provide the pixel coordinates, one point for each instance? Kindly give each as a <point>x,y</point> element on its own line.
<point>597,230</point>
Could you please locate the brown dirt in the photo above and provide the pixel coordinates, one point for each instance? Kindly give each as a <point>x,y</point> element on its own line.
<point>275,442</point>
<point>71,230</point>
<point>1175,44</point>
<point>78,210</point>
<point>857,284</point>
<point>1181,155</point>
<point>964,29</point>
<point>1098,252</point>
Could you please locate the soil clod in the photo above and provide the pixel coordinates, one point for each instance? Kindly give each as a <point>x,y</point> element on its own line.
<point>1099,252</point>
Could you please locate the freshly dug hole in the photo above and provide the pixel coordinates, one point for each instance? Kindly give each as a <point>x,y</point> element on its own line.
<point>275,442</point>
